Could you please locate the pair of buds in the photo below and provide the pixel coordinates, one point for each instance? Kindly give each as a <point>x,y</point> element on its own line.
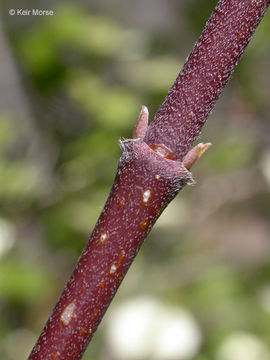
<point>141,127</point>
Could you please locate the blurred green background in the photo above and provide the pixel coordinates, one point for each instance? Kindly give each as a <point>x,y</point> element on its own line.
<point>71,85</point>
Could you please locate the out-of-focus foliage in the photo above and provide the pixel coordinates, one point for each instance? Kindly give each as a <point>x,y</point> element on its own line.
<point>84,73</point>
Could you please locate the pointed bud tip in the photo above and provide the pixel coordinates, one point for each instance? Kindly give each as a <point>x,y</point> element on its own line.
<point>144,109</point>
<point>141,125</point>
<point>201,148</point>
<point>194,154</point>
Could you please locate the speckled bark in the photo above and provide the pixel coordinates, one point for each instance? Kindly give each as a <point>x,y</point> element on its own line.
<point>144,185</point>
<point>185,109</point>
<point>149,176</point>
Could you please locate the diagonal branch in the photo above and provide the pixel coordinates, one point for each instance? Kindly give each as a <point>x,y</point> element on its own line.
<point>194,93</point>
<point>148,177</point>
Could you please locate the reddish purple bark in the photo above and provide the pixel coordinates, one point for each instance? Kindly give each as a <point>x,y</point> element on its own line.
<point>185,109</point>
<point>143,186</point>
<point>147,179</point>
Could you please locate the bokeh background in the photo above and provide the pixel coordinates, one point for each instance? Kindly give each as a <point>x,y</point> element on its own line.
<point>71,85</point>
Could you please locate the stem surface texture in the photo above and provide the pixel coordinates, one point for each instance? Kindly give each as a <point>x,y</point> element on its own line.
<point>151,171</point>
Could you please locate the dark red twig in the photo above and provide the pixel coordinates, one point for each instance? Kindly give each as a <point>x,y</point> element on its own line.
<point>149,175</point>
<point>205,73</point>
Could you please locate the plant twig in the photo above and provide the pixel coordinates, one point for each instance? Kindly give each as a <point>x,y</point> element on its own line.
<point>149,175</point>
